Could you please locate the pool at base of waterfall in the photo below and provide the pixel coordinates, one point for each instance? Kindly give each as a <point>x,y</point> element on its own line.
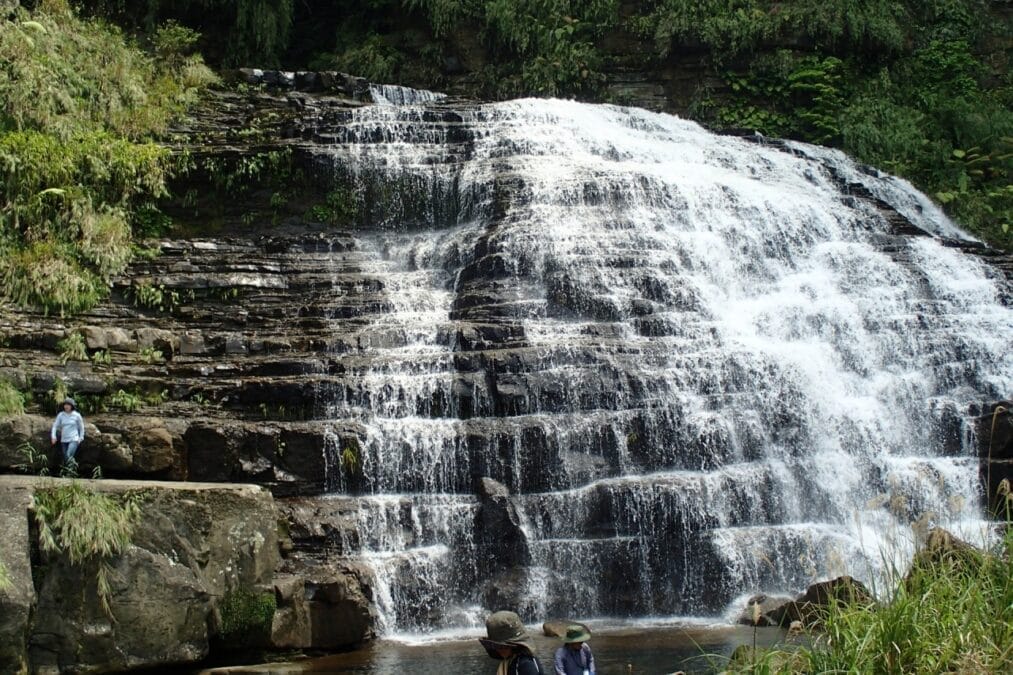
<point>641,649</point>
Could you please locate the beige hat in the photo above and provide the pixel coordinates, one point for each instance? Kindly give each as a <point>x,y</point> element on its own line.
<point>505,629</point>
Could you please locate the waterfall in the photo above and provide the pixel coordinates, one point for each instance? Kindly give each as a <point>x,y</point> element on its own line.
<point>704,366</point>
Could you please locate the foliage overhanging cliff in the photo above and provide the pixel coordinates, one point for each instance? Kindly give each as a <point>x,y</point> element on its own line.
<point>914,87</point>
<point>920,89</point>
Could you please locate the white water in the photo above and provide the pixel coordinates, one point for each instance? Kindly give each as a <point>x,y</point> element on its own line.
<point>689,356</point>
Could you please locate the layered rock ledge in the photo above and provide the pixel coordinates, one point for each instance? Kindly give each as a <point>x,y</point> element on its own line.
<point>198,576</point>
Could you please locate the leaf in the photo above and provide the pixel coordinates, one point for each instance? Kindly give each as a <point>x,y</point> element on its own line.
<point>35,26</point>
<point>959,154</point>
<point>59,192</point>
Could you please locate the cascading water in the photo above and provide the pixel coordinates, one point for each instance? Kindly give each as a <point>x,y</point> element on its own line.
<point>699,364</point>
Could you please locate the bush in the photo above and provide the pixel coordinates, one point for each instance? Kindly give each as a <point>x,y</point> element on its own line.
<point>78,105</point>
<point>72,348</point>
<point>12,401</point>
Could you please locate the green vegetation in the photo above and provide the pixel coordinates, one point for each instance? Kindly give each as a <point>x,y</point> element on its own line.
<point>12,401</point>
<point>72,348</point>
<point>86,527</point>
<point>5,577</point>
<point>339,207</point>
<point>545,47</point>
<point>952,612</point>
<point>246,616</point>
<point>919,89</point>
<point>240,32</point>
<point>351,457</point>
<point>33,461</point>
<point>78,106</point>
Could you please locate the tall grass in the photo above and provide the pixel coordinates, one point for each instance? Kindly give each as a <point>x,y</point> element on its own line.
<point>86,527</point>
<point>952,612</point>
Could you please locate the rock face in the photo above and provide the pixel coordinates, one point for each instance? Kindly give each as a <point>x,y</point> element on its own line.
<point>995,443</point>
<point>194,545</point>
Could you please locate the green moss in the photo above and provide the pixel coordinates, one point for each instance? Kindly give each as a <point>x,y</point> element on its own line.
<point>246,617</point>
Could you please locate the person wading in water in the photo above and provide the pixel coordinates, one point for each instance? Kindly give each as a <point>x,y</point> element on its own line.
<point>508,641</point>
<point>575,657</point>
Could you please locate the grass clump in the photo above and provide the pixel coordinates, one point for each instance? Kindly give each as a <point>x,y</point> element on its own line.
<point>86,527</point>
<point>79,107</point>
<point>12,401</point>
<point>72,348</point>
<point>952,612</point>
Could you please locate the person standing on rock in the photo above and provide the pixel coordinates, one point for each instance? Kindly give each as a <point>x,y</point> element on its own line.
<point>69,428</point>
<point>509,642</point>
<point>575,657</point>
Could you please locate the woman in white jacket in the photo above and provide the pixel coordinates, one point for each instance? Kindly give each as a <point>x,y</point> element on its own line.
<point>69,428</point>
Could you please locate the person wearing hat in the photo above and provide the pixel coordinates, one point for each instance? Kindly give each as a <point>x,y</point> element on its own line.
<point>69,428</point>
<point>575,657</point>
<point>509,642</point>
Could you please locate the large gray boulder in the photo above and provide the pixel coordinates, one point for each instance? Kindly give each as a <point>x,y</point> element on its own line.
<point>195,547</point>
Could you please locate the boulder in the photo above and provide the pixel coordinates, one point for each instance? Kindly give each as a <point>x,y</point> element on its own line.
<point>159,339</point>
<point>764,610</point>
<point>499,538</point>
<point>942,547</point>
<point>94,337</point>
<point>194,546</point>
<point>291,628</point>
<point>556,628</point>
<point>341,609</point>
<point>808,608</point>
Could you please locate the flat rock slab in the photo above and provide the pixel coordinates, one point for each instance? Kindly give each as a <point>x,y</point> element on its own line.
<point>194,546</point>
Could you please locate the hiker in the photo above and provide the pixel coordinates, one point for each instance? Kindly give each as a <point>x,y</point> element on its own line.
<point>509,642</point>
<point>69,428</point>
<point>575,657</point>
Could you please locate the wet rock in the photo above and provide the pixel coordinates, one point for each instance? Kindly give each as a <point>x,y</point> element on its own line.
<point>499,537</point>
<point>340,601</point>
<point>763,610</point>
<point>808,608</point>
<point>556,628</point>
<point>994,431</point>
<point>291,628</point>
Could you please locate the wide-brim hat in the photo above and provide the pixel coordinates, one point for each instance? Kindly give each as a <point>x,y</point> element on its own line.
<point>505,629</point>
<point>72,402</point>
<point>576,634</point>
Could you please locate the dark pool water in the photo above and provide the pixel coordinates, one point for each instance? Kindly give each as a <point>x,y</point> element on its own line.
<point>639,650</point>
